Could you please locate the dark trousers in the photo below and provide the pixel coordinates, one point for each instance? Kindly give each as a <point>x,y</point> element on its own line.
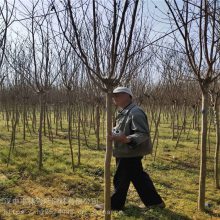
<point>131,170</point>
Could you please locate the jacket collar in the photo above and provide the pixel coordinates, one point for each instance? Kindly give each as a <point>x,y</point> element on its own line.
<point>125,110</point>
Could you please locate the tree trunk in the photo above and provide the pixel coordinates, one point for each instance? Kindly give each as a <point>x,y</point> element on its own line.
<point>78,137</point>
<point>44,120</point>
<point>40,144</point>
<point>49,124</point>
<point>24,119</point>
<point>60,117</point>
<point>103,125</point>
<point>56,118</point>
<point>15,120</point>
<point>183,128</point>
<point>70,129</point>
<point>157,122</point>
<point>184,116</point>
<point>209,128</point>
<point>108,155</point>
<point>216,157</point>
<point>7,118</point>
<point>202,177</point>
<point>97,132</point>
<point>173,116</point>
<point>34,119</point>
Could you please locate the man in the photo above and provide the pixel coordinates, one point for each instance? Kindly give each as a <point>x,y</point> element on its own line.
<point>131,142</point>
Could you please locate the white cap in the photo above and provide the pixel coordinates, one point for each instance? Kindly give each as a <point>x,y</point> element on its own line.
<point>123,89</point>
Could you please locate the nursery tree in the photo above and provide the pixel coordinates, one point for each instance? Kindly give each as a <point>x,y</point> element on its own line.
<point>109,41</point>
<point>6,19</point>
<point>198,27</point>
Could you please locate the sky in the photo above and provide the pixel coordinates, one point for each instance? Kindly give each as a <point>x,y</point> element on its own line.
<point>155,10</point>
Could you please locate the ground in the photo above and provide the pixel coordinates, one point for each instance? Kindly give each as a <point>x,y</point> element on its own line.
<point>58,192</point>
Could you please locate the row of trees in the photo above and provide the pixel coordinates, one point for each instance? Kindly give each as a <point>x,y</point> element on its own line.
<point>85,46</point>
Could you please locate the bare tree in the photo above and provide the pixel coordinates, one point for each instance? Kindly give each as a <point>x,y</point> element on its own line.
<point>38,65</point>
<point>108,40</point>
<point>198,27</point>
<point>70,69</point>
<point>215,101</point>
<point>6,15</point>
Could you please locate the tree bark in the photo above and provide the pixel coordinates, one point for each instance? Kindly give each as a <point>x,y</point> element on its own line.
<point>216,157</point>
<point>78,137</point>
<point>108,155</point>
<point>157,123</point>
<point>40,143</point>
<point>70,129</point>
<point>24,119</point>
<point>202,177</point>
<point>15,120</point>
<point>97,131</point>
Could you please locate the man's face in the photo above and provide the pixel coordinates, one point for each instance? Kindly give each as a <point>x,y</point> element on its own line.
<point>121,99</point>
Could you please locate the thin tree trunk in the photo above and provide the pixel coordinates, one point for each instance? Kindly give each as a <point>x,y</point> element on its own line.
<point>202,177</point>
<point>184,116</point>
<point>34,124</point>
<point>209,129</point>
<point>83,125</point>
<point>190,127</point>
<point>78,137</point>
<point>44,121</point>
<point>173,116</point>
<point>157,122</point>
<point>40,144</point>
<point>70,130</point>
<point>60,117</point>
<point>157,141</point>
<point>108,155</point>
<point>56,118</point>
<point>97,132</point>
<point>90,125</point>
<point>7,118</point>
<point>183,125</point>
<point>177,121</point>
<point>103,124</point>
<point>24,119</point>
<point>216,157</point>
<point>49,124</point>
<point>15,119</point>
<point>197,127</point>
<point>27,123</point>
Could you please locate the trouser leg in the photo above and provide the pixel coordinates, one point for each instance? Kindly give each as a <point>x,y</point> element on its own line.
<point>121,183</point>
<point>144,185</point>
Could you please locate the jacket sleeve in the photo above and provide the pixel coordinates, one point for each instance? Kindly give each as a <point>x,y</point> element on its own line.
<point>139,128</point>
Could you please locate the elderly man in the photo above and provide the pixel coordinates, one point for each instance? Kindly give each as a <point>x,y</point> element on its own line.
<point>131,142</point>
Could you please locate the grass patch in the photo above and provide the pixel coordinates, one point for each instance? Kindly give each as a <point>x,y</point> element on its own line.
<point>58,192</point>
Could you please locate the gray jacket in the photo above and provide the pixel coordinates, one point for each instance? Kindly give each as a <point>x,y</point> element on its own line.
<point>132,121</point>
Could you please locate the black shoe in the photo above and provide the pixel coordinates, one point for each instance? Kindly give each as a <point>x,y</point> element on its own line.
<point>161,205</point>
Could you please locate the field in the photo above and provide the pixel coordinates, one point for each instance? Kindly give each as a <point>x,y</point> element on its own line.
<point>57,192</point>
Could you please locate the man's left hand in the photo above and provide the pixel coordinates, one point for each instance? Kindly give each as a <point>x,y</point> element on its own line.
<point>119,138</point>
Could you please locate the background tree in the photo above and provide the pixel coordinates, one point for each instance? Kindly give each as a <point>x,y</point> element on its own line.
<point>70,69</point>
<point>36,67</point>
<point>198,26</point>
<point>6,19</point>
<point>215,101</point>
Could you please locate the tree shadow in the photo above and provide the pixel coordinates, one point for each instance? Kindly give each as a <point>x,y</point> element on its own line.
<point>213,214</point>
<point>153,214</point>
